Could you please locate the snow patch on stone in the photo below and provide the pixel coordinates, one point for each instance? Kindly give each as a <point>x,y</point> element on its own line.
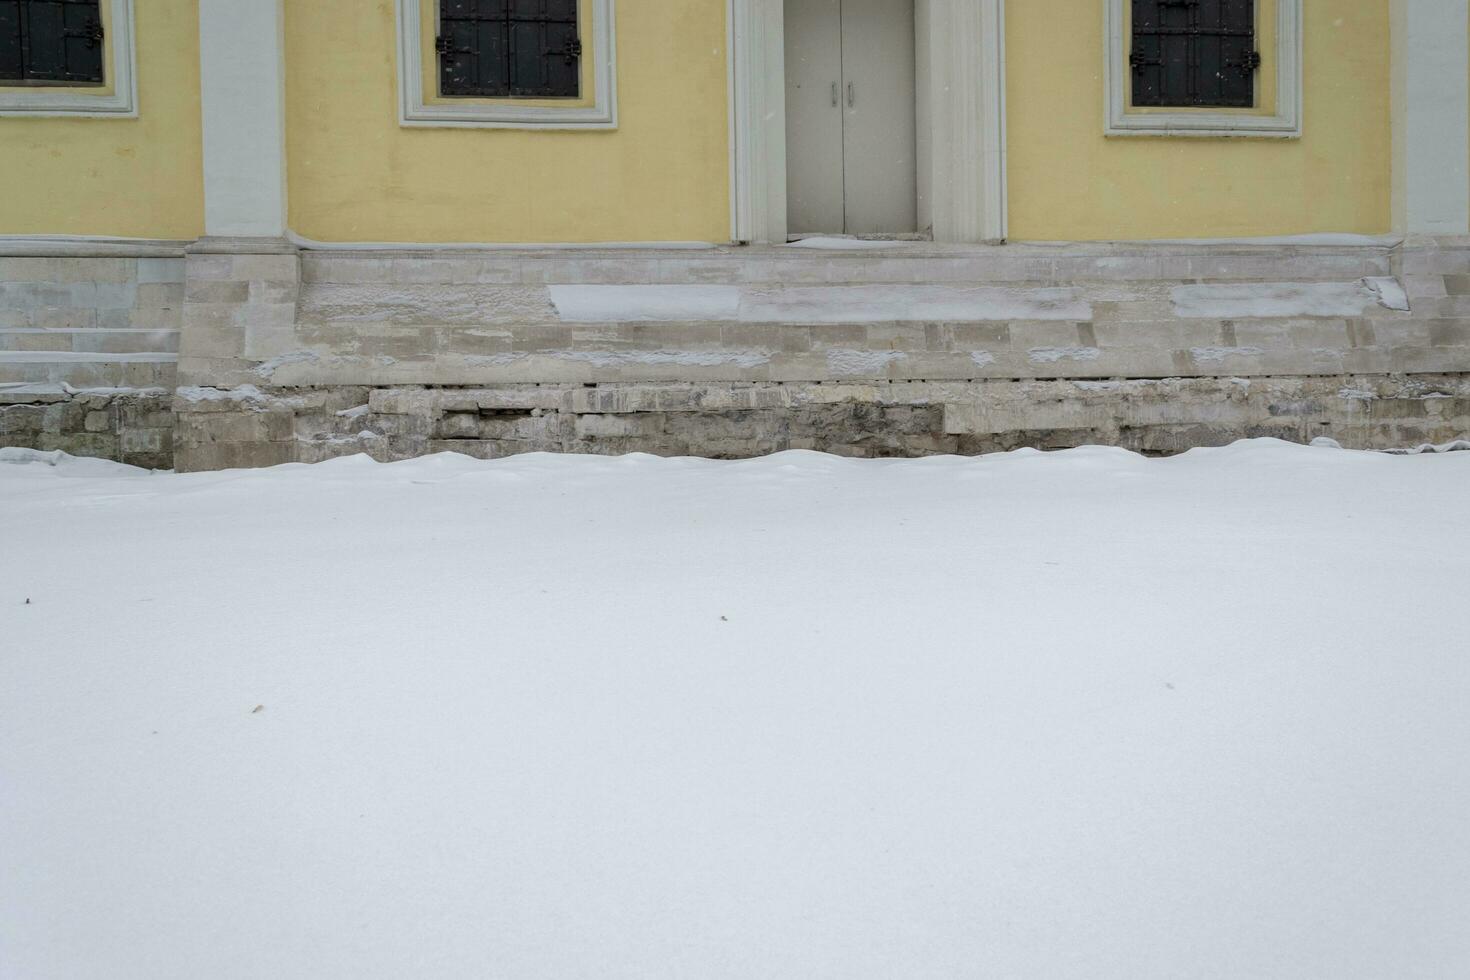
<point>1213,354</point>
<point>1390,292</point>
<point>1268,300</point>
<point>688,358</point>
<point>1358,394</point>
<point>267,369</point>
<point>835,243</point>
<point>814,304</point>
<point>611,304</point>
<point>852,362</point>
<point>243,393</point>
<point>1051,355</point>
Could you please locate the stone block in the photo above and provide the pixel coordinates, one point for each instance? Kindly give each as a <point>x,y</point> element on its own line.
<point>160,270</point>
<point>216,291</point>
<point>1449,333</point>
<point>276,267</point>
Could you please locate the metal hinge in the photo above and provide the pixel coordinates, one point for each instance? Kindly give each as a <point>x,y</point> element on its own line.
<point>570,50</point>
<point>1252,61</point>
<point>94,33</point>
<point>443,45</point>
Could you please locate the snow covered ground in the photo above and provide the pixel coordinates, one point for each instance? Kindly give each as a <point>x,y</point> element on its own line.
<point>1078,714</point>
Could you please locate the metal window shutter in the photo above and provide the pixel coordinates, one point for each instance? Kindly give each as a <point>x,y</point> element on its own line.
<point>12,65</point>
<point>494,48</point>
<point>1194,53</point>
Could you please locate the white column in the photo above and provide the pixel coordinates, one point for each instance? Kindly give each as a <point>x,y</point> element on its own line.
<point>243,100</point>
<point>1431,117</point>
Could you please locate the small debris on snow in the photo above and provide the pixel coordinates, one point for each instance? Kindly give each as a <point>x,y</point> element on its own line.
<point>257,709</point>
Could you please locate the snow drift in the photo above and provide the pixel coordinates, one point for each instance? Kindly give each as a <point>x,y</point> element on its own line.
<point>1078,714</point>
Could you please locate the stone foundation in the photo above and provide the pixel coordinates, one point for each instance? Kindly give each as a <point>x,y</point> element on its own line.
<point>262,427</point>
<point>134,426</point>
<point>908,349</point>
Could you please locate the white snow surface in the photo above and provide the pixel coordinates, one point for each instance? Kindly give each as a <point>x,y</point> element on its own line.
<point>1067,715</point>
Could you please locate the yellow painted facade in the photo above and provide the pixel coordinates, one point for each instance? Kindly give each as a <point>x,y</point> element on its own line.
<point>132,178</point>
<point>1070,182</point>
<point>356,175</point>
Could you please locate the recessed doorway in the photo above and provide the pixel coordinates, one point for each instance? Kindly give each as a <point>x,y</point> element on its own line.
<point>851,149</point>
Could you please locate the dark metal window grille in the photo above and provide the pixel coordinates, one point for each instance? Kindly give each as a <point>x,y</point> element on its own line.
<point>50,41</point>
<point>1194,53</point>
<point>516,48</point>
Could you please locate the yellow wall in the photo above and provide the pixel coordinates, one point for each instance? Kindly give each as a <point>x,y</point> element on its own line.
<point>1068,181</point>
<point>134,178</point>
<point>356,175</point>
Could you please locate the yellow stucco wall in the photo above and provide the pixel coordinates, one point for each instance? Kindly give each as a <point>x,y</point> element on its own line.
<point>356,175</point>
<point>134,178</point>
<point>1068,181</point>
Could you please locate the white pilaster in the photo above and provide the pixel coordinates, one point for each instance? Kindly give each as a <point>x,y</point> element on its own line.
<point>243,100</point>
<point>961,63</point>
<point>1431,117</point>
<point>757,120</point>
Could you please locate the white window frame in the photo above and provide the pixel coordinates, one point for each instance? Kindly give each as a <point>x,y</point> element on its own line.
<point>415,110</point>
<point>119,58</point>
<point>1286,123</point>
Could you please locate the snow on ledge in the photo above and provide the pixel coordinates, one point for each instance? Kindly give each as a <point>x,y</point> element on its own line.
<point>838,244</point>
<point>1274,300</point>
<point>814,304</point>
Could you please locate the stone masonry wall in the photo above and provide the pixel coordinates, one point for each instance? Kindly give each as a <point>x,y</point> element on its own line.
<point>129,425</point>
<point>253,426</point>
<point>89,340</point>
<point>903,350</point>
<point>906,349</point>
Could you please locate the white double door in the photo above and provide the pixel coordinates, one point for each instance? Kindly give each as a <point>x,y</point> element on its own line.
<point>850,147</point>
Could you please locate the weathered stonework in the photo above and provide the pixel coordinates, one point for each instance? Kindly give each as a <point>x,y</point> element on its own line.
<point>107,320</point>
<point>255,427</point>
<point>134,426</point>
<point>911,349</point>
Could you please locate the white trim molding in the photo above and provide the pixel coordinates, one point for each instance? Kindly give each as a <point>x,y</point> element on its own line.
<point>961,116</point>
<point>415,109</point>
<point>119,66</point>
<point>1284,123</point>
<point>242,101</point>
<point>1431,117</point>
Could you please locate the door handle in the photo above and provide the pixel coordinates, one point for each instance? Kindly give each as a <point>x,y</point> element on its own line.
<point>834,94</point>
<point>850,97</point>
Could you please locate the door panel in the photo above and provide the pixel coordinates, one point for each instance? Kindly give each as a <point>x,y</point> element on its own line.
<point>880,172</point>
<point>813,117</point>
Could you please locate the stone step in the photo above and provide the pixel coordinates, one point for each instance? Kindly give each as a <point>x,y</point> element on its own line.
<point>89,370</point>
<point>91,340</point>
<point>890,263</point>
